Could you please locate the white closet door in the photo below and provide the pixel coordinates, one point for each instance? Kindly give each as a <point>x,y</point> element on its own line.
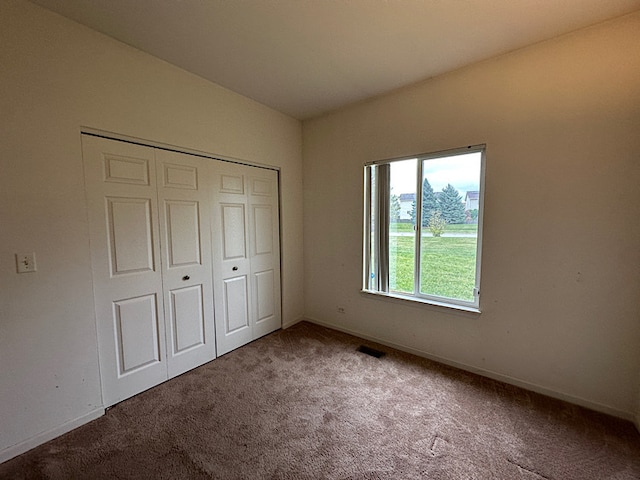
<point>246,254</point>
<point>184,199</point>
<point>232,286</point>
<point>264,250</point>
<point>152,213</point>
<point>125,249</point>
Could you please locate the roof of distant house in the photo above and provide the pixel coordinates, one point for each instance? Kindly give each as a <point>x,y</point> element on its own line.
<point>407,197</point>
<point>473,195</point>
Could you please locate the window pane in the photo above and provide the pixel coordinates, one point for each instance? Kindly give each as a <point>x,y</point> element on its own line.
<point>373,241</point>
<point>449,243</point>
<point>402,236</point>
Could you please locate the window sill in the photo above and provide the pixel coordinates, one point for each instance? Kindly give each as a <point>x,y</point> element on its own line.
<point>423,301</point>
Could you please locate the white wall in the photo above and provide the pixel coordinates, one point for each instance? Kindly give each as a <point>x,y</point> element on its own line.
<point>560,275</point>
<point>56,76</point>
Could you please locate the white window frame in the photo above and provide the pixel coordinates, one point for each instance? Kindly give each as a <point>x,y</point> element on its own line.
<point>376,241</point>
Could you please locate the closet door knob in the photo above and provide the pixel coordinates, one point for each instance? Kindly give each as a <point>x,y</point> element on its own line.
<point>234,268</point>
<point>186,277</point>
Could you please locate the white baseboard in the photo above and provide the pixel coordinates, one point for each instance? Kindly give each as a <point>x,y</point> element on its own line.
<point>489,374</point>
<point>291,323</point>
<point>22,447</point>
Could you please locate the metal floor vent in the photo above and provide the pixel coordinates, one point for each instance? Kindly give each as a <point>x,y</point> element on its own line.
<point>370,351</point>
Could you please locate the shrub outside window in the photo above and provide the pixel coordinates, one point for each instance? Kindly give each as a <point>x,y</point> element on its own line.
<point>423,227</point>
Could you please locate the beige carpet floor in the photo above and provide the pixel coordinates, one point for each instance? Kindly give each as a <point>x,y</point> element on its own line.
<point>305,404</point>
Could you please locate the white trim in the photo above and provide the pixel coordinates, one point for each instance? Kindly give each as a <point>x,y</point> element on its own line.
<point>173,148</point>
<point>421,299</point>
<point>291,323</point>
<point>451,152</point>
<point>417,229</point>
<point>480,221</point>
<point>366,229</point>
<point>598,407</point>
<point>39,439</point>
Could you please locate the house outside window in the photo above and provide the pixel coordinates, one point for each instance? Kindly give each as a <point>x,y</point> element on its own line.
<point>423,227</point>
<point>407,203</point>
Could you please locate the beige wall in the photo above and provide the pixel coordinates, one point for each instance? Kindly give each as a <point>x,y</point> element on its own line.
<point>55,77</point>
<point>560,273</point>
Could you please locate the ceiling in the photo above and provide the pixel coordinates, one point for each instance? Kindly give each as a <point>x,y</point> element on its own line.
<point>307,57</point>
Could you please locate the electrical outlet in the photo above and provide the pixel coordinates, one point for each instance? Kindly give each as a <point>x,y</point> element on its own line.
<point>341,310</point>
<point>26,262</point>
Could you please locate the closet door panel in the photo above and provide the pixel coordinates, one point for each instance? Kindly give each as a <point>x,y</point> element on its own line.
<point>232,285</point>
<point>130,232</point>
<point>137,337</point>
<point>234,245</point>
<point>123,219</point>
<point>236,302</point>
<point>248,257</point>
<point>183,233</point>
<point>265,250</point>
<point>187,318</point>
<point>266,301</point>
<point>185,198</point>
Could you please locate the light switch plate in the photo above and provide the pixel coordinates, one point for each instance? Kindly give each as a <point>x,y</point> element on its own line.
<point>26,262</point>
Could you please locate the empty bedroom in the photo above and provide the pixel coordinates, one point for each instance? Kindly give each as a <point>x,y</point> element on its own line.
<point>283,239</point>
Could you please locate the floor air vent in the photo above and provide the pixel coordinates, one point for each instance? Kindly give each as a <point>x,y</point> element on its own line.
<point>370,351</point>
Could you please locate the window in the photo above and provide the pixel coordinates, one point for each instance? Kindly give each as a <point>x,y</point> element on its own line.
<point>423,227</point>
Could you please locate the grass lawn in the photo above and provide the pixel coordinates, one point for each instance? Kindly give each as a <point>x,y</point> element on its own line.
<point>447,265</point>
<point>461,228</point>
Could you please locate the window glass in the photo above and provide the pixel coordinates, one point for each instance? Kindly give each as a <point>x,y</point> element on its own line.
<point>449,238</point>
<point>402,239</point>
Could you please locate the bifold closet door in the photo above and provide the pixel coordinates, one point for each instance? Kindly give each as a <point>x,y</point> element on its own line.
<point>127,275</point>
<point>149,213</point>
<point>246,254</point>
<point>184,199</point>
